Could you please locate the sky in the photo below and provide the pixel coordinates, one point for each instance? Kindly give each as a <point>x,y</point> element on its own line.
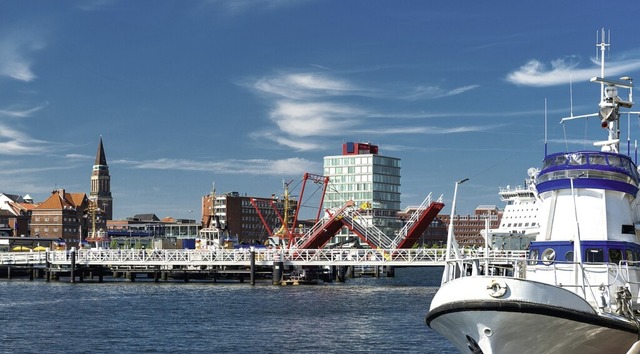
<point>247,94</point>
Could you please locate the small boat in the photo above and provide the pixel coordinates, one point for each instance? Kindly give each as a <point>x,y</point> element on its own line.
<point>577,289</point>
<point>301,277</point>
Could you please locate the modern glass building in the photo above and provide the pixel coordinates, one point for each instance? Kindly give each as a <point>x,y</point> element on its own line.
<point>371,180</point>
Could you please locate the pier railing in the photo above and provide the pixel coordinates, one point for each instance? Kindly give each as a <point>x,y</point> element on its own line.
<point>242,257</point>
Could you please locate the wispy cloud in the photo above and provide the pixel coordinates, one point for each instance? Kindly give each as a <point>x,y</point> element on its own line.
<point>562,71</point>
<point>16,48</point>
<point>305,85</point>
<point>433,92</point>
<point>308,105</point>
<point>235,7</point>
<point>20,113</point>
<point>94,5</point>
<point>290,166</point>
<point>433,130</point>
<point>15,142</point>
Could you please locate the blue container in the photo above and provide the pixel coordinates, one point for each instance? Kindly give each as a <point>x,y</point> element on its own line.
<point>189,243</point>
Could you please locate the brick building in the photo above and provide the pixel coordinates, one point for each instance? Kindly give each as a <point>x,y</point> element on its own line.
<point>466,228</point>
<point>62,215</point>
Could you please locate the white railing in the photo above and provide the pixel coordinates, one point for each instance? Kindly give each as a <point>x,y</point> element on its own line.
<point>402,234</point>
<point>229,257</point>
<point>8,258</point>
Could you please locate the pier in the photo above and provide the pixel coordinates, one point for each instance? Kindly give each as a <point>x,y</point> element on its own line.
<point>219,263</point>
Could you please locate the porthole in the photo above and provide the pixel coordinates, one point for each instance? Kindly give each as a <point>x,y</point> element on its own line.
<point>569,256</point>
<point>548,256</point>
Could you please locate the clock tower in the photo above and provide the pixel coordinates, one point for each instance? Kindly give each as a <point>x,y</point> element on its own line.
<point>101,184</point>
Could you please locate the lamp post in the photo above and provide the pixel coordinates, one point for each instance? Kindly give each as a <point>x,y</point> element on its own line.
<point>450,237</point>
<point>190,215</point>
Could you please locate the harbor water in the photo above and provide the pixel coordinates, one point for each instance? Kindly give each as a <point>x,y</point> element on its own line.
<point>367,315</point>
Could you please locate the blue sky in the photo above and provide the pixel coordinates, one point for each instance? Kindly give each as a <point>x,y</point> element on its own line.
<point>247,94</point>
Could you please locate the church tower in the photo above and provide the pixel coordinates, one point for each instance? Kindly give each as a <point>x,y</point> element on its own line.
<point>101,184</point>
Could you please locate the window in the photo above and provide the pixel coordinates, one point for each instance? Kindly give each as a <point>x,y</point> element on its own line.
<point>629,255</point>
<point>615,255</point>
<point>595,255</point>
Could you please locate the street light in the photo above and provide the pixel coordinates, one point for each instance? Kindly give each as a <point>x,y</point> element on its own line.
<point>190,215</point>
<point>450,238</point>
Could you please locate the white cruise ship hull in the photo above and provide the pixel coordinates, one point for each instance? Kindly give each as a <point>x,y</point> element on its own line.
<point>521,316</point>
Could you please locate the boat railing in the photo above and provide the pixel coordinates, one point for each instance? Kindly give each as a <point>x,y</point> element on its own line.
<point>597,283</point>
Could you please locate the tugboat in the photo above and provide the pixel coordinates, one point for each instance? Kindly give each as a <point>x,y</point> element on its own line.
<point>578,290</point>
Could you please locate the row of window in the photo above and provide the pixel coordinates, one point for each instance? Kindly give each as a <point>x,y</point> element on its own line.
<point>612,254</point>
<point>54,229</point>
<point>347,161</point>
<point>56,218</point>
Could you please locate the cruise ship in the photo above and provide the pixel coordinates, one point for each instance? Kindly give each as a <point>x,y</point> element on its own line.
<point>519,223</point>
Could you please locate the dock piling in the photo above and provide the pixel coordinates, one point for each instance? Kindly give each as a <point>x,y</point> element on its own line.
<point>252,278</point>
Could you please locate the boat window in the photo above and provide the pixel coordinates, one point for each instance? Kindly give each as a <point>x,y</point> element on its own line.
<point>548,256</point>
<point>597,160</point>
<point>569,256</point>
<point>614,160</point>
<point>628,229</point>
<point>615,255</point>
<point>577,159</point>
<point>560,160</point>
<point>595,255</point>
<point>629,255</point>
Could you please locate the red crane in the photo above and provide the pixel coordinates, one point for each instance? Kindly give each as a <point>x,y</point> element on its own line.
<point>287,229</point>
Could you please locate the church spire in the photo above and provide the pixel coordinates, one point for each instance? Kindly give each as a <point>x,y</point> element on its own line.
<point>101,184</point>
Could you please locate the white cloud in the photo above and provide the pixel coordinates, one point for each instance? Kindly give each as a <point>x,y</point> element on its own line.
<point>290,166</point>
<point>15,48</point>
<point>431,129</point>
<point>433,92</point>
<point>304,86</point>
<point>314,118</point>
<point>95,5</point>
<point>304,144</point>
<point>19,113</point>
<point>307,105</point>
<point>240,6</point>
<point>562,71</point>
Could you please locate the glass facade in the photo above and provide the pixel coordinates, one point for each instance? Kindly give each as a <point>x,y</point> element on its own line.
<point>367,179</point>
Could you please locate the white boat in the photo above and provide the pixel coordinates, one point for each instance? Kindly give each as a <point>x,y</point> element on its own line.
<point>577,290</point>
<point>215,236</point>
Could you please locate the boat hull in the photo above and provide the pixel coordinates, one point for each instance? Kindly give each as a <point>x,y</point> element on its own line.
<point>530,317</point>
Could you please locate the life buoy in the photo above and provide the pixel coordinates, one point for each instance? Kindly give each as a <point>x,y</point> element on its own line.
<point>497,288</point>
